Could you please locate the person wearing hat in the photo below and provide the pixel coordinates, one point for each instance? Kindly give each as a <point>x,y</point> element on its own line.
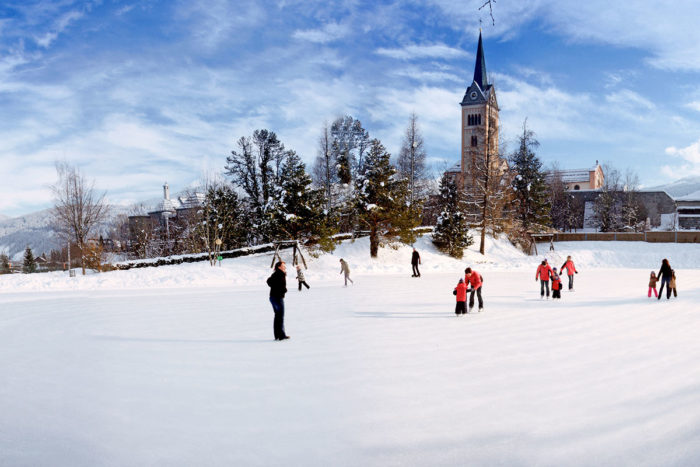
<point>461,293</point>
<point>556,284</point>
<point>570,269</point>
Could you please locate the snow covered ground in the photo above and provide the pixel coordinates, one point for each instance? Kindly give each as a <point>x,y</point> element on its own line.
<point>176,365</point>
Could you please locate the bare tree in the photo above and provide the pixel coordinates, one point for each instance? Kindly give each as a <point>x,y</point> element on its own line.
<point>78,209</point>
<point>411,160</point>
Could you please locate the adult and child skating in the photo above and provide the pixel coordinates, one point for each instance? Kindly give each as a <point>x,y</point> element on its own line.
<point>546,273</point>
<point>667,276</point>
<point>476,281</point>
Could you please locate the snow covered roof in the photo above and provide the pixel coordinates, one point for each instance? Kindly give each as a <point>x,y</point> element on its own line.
<point>166,205</point>
<point>695,196</point>
<point>192,201</point>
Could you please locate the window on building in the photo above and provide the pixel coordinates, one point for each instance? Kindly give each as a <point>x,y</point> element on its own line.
<point>576,187</point>
<point>475,141</point>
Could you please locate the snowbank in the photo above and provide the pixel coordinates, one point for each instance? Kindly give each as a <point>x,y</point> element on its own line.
<point>253,270</point>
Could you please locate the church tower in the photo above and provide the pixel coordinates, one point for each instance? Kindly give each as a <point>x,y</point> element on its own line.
<point>479,120</point>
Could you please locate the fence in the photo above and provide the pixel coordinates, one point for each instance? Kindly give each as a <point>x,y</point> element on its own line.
<point>649,237</point>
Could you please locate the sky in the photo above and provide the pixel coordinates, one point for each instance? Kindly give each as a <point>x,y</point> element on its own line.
<point>137,93</point>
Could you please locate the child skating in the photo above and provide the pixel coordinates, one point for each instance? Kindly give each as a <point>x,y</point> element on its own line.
<point>300,278</point>
<point>556,284</point>
<point>461,293</point>
<point>672,283</point>
<point>652,284</point>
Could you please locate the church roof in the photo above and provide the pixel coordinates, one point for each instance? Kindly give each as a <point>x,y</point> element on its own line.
<point>480,77</point>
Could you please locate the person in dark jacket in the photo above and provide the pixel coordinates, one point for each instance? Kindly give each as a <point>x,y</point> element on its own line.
<point>278,287</point>
<point>415,261</point>
<point>664,275</point>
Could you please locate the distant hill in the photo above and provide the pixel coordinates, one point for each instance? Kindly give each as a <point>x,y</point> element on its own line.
<point>681,187</point>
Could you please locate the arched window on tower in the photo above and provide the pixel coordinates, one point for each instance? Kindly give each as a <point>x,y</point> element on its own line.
<point>475,141</point>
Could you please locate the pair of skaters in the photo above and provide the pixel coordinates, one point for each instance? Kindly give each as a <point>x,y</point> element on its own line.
<point>667,276</point>
<point>476,281</point>
<point>545,273</point>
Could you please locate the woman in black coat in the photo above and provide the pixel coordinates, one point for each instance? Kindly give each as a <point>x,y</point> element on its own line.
<point>278,287</point>
<point>664,275</point>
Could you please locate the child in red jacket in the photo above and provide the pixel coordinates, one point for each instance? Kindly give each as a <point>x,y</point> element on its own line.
<point>461,293</point>
<point>556,284</point>
<point>652,284</point>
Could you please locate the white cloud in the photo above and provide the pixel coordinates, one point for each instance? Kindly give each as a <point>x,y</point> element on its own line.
<point>58,27</point>
<point>328,33</point>
<point>695,105</point>
<point>413,52</point>
<point>689,163</point>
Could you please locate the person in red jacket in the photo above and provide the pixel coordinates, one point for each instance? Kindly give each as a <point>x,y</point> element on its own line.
<point>570,269</point>
<point>476,281</point>
<point>556,284</point>
<point>544,270</point>
<point>461,293</point>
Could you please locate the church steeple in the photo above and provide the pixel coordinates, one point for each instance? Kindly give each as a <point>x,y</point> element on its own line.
<point>480,68</point>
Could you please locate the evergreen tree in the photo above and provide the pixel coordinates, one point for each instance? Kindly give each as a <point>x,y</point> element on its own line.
<point>301,213</point>
<point>379,197</point>
<point>29,265</point>
<point>349,143</point>
<point>451,230</point>
<point>529,187</point>
<point>256,168</point>
<point>4,264</point>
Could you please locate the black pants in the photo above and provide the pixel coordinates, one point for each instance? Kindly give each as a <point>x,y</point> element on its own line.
<point>556,293</point>
<point>544,284</point>
<point>303,282</point>
<point>667,281</point>
<point>278,323</point>
<point>461,308</point>
<point>471,298</point>
<point>416,272</point>
<point>571,281</point>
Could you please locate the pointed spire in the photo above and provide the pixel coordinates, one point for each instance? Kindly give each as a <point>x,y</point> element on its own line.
<point>480,67</point>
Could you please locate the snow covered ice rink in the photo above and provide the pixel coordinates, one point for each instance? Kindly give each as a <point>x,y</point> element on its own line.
<point>177,365</point>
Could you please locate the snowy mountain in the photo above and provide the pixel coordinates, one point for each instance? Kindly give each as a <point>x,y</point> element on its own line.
<point>33,230</point>
<point>3,217</point>
<point>681,187</point>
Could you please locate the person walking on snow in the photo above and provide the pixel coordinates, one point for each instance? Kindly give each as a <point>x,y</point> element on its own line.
<point>474,279</point>
<point>556,284</point>
<point>664,276</point>
<point>544,270</point>
<point>461,293</point>
<point>570,269</point>
<point>278,287</point>
<point>300,277</point>
<point>345,269</point>
<point>415,261</point>
<point>652,285</point>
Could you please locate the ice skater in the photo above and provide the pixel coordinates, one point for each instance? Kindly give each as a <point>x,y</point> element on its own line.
<point>415,261</point>
<point>672,284</point>
<point>345,269</point>
<point>278,287</point>
<point>570,269</point>
<point>664,276</point>
<point>556,284</point>
<point>461,293</point>
<point>652,284</point>
<point>474,279</point>
<point>544,270</point>
<point>300,278</point>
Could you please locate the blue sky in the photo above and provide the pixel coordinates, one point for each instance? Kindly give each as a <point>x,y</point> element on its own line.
<point>137,93</point>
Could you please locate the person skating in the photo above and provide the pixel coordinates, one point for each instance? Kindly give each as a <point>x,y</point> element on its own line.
<point>461,293</point>
<point>544,270</point>
<point>345,269</point>
<point>415,261</point>
<point>672,284</point>
<point>570,271</point>
<point>300,278</point>
<point>278,287</point>
<point>652,284</point>
<point>474,279</point>
<point>664,276</point>
<point>556,284</point>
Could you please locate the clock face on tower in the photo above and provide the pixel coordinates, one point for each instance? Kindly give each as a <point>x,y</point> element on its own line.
<point>473,95</point>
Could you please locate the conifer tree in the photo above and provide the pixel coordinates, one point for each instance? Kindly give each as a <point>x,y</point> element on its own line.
<point>379,197</point>
<point>29,265</point>
<point>451,230</point>
<point>529,187</point>
<point>301,209</point>
<point>411,161</point>
<point>4,264</point>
